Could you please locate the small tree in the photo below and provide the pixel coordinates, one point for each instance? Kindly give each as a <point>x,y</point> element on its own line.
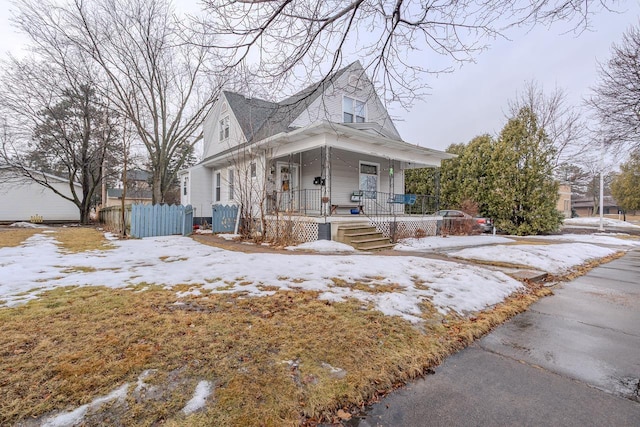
<point>524,194</point>
<point>625,187</point>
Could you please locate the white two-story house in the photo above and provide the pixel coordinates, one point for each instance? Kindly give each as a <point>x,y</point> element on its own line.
<point>329,153</point>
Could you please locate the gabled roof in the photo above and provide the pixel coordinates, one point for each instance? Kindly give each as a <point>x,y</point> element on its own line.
<point>36,173</point>
<point>261,119</point>
<point>131,193</point>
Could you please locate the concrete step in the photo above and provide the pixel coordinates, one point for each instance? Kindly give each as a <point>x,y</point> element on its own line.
<point>376,247</point>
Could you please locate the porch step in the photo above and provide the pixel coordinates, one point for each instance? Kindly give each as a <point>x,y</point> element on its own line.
<point>363,237</point>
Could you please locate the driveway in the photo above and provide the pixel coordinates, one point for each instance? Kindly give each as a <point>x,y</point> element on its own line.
<point>573,359</point>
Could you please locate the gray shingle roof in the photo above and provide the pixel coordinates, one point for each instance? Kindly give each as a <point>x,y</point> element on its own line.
<point>261,119</point>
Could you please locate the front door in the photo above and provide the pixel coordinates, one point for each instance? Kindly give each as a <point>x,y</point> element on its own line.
<point>288,187</point>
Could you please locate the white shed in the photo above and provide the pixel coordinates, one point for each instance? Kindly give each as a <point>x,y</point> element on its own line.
<point>22,199</point>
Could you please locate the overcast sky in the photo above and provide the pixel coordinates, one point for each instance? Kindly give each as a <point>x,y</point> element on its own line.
<point>473,99</point>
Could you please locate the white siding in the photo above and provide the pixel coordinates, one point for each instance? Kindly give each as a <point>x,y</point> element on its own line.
<point>211,130</point>
<point>329,105</point>
<point>21,201</point>
<point>199,193</point>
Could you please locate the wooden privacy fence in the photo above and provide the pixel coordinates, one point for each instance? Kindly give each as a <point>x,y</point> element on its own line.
<point>149,220</point>
<point>161,220</point>
<point>111,218</point>
<point>224,218</point>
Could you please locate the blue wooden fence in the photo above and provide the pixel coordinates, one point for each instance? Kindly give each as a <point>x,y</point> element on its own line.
<point>223,219</point>
<point>161,220</point>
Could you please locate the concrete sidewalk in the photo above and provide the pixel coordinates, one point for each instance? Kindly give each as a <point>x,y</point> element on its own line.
<point>573,359</point>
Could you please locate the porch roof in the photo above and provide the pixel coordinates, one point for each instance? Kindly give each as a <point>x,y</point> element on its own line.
<point>345,137</point>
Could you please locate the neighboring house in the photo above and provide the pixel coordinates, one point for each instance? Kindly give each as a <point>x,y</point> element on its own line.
<point>564,200</point>
<point>138,190</point>
<point>584,206</point>
<point>322,155</point>
<point>24,200</point>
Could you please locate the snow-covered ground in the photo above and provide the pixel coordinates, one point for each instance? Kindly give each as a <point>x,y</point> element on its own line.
<point>438,242</point>
<point>595,222</point>
<point>38,265</point>
<point>325,246</point>
<point>554,258</point>
<point>597,239</point>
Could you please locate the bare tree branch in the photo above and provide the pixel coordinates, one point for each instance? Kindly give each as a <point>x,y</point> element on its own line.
<point>281,41</point>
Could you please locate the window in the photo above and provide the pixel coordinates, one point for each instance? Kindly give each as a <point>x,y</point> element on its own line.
<point>369,180</point>
<point>253,170</point>
<point>353,110</point>
<point>224,128</point>
<point>186,184</point>
<point>218,179</point>
<point>231,184</point>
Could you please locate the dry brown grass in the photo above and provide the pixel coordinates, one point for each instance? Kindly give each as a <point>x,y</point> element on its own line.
<point>267,356</point>
<point>11,237</point>
<point>80,239</point>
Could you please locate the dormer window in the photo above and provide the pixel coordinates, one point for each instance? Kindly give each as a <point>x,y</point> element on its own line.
<point>353,111</point>
<point>224,128</point>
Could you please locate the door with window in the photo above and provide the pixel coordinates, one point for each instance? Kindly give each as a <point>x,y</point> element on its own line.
<point>288,187</point>
<point>369,179</point>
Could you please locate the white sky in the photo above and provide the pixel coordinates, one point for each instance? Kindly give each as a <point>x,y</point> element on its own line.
<point>473,99</point>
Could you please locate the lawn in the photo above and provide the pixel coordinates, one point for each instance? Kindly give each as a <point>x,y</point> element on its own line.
<point>238,350</point>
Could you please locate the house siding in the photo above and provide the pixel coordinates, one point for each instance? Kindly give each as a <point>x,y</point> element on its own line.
<point>211,130</point>
<point>200,193</point>
<point>345,175</point>
<point>21,201</point>
<point>329,105</point>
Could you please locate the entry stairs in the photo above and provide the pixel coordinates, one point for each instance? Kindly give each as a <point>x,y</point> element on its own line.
<point>363,237</point>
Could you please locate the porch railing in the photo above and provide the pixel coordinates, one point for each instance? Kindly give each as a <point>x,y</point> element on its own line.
<point>305,202</point>
<point>374,203</point>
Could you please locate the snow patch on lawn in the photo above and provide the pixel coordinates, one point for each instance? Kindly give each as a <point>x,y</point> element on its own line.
<point>438,242</point>
<point>598,239</point>
<point>74,417</point>
<point>199,399</point>
<point>23,224</point>
<point>595,222</point>
<point>555,258</point>
<point>322,246</point>
<point>38,265</point>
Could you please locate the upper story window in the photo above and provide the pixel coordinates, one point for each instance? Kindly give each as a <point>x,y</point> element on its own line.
<point>186,186</point>
<point>353,111</point>
<point>224,128</point>
<point>253,169</point>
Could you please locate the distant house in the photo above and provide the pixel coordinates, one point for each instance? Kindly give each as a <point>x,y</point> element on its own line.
<point>24,200</point>
<point>564,200</point>
<point>138,189</point>
<point>584,206</point>
<point>328,154</point>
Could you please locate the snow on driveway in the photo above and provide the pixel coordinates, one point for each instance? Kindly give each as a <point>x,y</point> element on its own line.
<point>38,265</point>
<point>597,239</point>
<point>439,242</point>
<point>595,222</point>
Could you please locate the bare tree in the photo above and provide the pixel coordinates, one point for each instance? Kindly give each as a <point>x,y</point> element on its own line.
<point>154,78</point>
<point>616,98</point>
<point>55,123</point>
<point>561,122</point>
<point>280,40</point>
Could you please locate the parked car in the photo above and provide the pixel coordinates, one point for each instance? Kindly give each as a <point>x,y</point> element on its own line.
<point>449,213</point>
<point>482,224</point>
<point>485,224</point>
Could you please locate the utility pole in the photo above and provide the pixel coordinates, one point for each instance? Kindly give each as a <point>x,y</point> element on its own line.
<point>601,228</point>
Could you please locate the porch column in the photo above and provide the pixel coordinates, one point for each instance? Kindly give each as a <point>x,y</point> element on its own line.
<point>327,177</point>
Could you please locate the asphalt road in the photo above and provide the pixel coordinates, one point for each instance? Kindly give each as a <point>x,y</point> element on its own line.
<point>573,359</point>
